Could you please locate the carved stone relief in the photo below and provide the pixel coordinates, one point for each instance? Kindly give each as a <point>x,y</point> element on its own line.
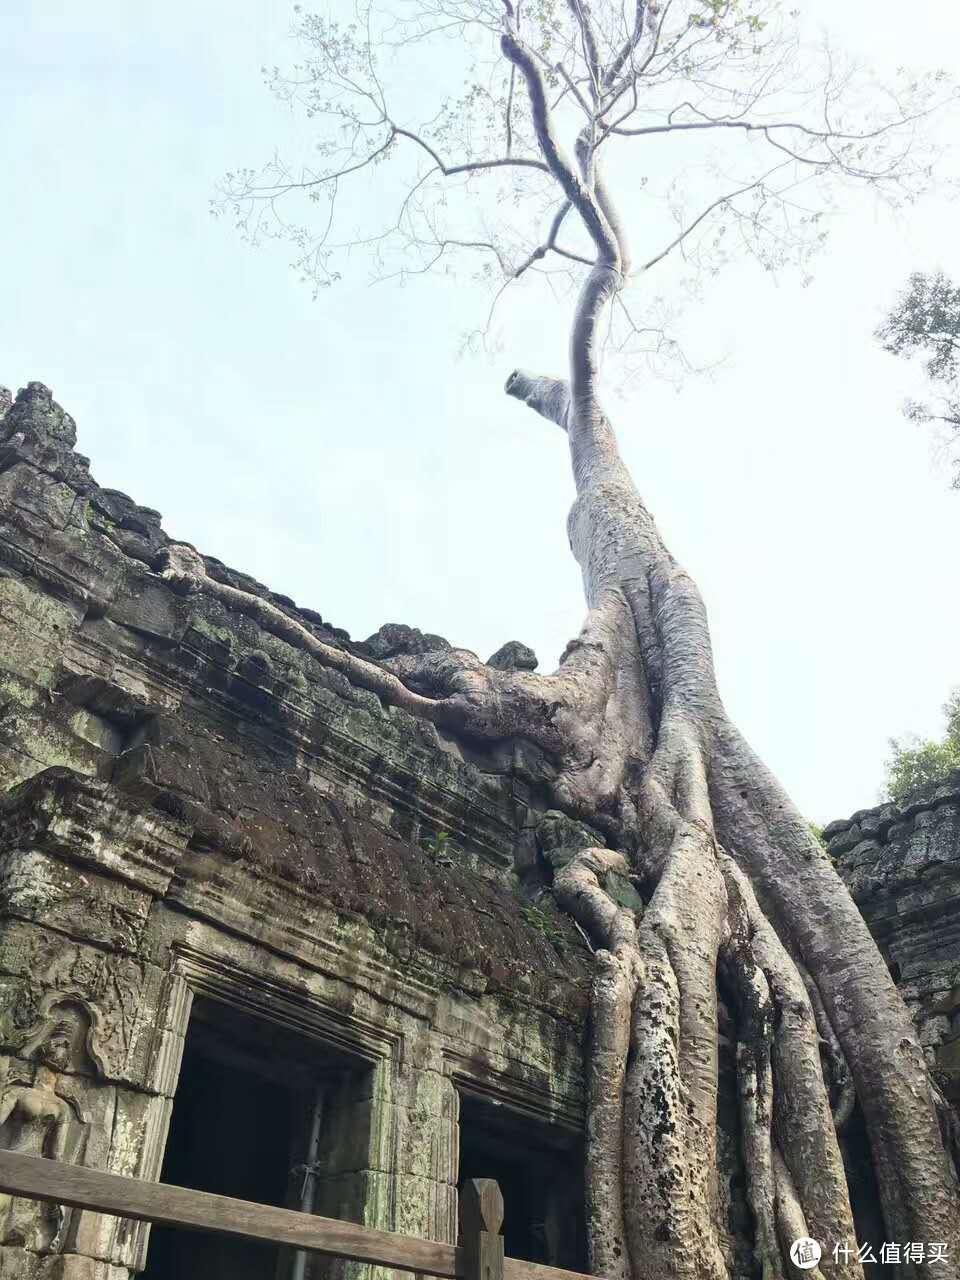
<point>41,1113</point>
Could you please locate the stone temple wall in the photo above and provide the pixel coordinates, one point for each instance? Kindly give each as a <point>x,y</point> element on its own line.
<point>902,865</point>
<point>195,815</point>
<point>209,840</point>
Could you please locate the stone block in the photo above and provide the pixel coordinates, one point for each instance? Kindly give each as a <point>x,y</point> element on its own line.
<point>32,740</point>
<point>24,489</point>
<point>948,1055</point>
<point>405,1141</point>
<point>145,604</point>
<point>34,629</point>
<point>933,1030</point>
<point>19,1264</point>
<point>37,886</point>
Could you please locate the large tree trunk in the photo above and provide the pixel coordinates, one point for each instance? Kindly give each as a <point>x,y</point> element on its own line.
<point>737,888</point>
<point>737,877</point>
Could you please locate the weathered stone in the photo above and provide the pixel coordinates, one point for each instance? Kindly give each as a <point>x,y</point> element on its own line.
<point>905,878</point>
<point>193,811</point>
<point>125,513</point>
<point>36,410</point>
<point>845,839</point>
<point>513,656</point>
<point>200,806</point>
<point>394,640</point>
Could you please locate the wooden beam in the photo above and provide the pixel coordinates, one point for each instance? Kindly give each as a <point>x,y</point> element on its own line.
<point>481,1217</point>
<point>39,1179</point>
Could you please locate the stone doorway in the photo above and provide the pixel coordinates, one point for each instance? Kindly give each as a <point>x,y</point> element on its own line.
<point>540,1171</point>
<point>262,1114</point>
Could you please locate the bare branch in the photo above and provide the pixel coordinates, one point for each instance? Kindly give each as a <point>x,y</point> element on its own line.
<point>588,35</point>
<point>508,114</point>
<point>597,75</point>
<point>579,196</point>
<point>616,66</point>
<point>550,244</point>
<point>716,204</point>
<point>472,166</point>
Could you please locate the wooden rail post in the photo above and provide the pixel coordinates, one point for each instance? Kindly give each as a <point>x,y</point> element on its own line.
<point>481,1217</point>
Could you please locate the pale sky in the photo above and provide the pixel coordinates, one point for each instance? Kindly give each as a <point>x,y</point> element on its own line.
<point>343,453</point>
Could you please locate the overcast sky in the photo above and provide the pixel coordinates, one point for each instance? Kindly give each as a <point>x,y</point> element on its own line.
<point>340,450</point>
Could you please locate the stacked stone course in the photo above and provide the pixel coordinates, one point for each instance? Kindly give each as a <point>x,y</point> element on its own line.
<point>902,865</point>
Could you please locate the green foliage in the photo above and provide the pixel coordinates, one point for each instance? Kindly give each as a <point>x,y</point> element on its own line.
<point>926,321</point>
<point>914,762</point>
<point>436,848</point>
<point>545,922</point>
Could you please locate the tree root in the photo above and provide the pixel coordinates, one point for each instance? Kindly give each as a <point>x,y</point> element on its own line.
<point>652,1101</point>
<point>772,844</point>
<point>791,1223</point>
<point>754,1083</point>
<point>651,1096</point>
<point>645,751</point>
<point>577,888</point>
<point>588,716</point>
<point>804,1125</point>
<point>840,1076</point>
<point>186,572</point>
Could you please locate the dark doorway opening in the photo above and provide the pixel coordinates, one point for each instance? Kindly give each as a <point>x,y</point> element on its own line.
<point>249,1120</point>
<point>540,1171</point>
<point>230,1134</point>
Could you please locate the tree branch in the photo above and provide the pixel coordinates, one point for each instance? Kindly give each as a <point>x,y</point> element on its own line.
<point>617,91</point>
<point>508,114</point>
<point>575,191</point>
<point>591,55</point>
<point>550,244</point>
<point>731,195</point>
<point>474,166</point>
<point>616,66</point>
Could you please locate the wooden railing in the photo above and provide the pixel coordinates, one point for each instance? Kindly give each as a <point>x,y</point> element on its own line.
<point>481,1218</point>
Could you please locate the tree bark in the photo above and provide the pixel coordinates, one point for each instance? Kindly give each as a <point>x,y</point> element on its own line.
<point>736,886</point>
<point>733,880</point>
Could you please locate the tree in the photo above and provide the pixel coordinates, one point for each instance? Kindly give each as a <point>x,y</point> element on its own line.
<point>519,171</point>
<point>914,763</point>
<point>926,318</point>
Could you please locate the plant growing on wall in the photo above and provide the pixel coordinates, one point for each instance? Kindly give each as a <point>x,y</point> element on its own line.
<point>532,165</point>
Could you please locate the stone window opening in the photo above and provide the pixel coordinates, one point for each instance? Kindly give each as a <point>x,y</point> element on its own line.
<point>264,1114</point>
<point>539,1167</point>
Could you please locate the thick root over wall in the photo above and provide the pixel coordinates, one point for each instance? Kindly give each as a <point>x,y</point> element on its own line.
<point>738,895</point>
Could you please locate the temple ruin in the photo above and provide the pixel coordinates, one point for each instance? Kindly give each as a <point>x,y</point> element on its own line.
<point>265,936</point>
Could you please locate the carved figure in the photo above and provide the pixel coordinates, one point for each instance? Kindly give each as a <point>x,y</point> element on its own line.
<point>39,1118</point>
